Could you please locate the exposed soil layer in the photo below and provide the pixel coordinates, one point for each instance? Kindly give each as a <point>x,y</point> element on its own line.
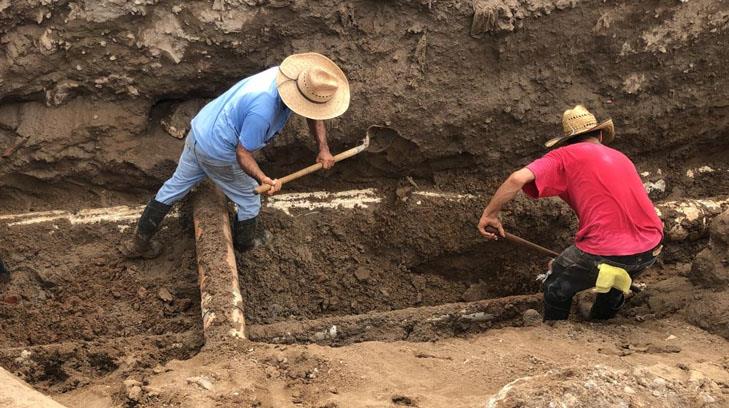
<point>80,311</point>
<point>409,250</point>
<point>75,286</point>
<point>91,92</point>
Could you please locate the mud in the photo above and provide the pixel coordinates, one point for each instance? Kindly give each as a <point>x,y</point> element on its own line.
<point>75,310</point>
<point>409,250</point>
<point>413,324</point>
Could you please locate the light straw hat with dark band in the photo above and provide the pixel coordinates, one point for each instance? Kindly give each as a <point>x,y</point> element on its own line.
<point>578,121</point>
<point>313,86</point>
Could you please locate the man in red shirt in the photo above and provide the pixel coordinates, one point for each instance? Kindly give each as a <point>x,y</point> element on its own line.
<point>618,223</point>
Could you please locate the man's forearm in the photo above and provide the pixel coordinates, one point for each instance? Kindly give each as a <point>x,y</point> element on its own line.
<point>506,192</point>
<point>248,163</point>
<point>319,131</point>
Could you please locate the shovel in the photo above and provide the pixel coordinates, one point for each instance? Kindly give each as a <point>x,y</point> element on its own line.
<point>377,139</point>
<point>521,241</point>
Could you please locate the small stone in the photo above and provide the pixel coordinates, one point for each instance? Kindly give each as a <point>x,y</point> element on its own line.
<point>658,384</point>
<point>134,393</point>
<point>165,295</point>
<point>531,317</point>
<point>141,292</point>
<point>11,299</point>
<point>130,382</point>
<point>203,382</point>
<point>362,274</point>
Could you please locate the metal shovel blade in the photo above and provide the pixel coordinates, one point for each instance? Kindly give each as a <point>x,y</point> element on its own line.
<point>380,138</point>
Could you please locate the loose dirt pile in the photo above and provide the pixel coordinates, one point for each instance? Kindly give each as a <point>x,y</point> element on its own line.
<point>91,92</point>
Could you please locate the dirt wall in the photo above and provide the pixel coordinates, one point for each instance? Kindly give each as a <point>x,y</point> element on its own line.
<point>474,87</point>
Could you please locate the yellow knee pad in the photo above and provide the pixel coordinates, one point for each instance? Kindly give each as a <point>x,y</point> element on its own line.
<point>609,277</point>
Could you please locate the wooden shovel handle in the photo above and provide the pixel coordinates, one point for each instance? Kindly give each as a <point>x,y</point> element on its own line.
<point>313,168</point>
<point>521,241</point>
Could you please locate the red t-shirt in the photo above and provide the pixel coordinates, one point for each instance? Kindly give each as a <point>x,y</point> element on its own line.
<point>603,187</point>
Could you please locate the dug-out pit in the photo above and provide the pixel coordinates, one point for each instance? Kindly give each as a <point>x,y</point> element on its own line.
<point>393,249</point>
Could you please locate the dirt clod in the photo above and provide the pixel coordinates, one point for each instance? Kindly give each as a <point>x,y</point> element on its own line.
<point>531,317</point>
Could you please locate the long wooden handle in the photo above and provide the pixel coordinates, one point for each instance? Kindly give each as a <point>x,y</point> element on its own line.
<point>314,167</point>
<point>518,240</point>
<point>524,242</point>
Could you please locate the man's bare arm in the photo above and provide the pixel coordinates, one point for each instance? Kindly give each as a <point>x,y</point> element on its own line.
<point>319,131</point>
<point>248,163</point>
<point>508,190</point>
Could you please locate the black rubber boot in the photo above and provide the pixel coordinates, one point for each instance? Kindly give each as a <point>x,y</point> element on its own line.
<point>245,234</point>
<point>142,245</point>
<point>552,312</point>
<point>607,305</point>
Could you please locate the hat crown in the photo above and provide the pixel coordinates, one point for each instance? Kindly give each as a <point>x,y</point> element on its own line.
<point>317,84</point>
<point>313,86</point>
<point>577,119</point>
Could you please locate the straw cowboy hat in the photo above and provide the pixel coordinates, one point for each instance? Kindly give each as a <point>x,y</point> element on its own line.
<point>577,121</point>
<point>313,86</point>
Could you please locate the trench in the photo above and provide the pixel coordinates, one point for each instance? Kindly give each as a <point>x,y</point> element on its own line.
<point>388,255</point>
<point>383,258</point>
<point>76,311</point>
<point>374,250</point>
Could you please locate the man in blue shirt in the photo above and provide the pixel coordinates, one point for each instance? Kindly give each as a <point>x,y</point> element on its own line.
<point>227,131</point>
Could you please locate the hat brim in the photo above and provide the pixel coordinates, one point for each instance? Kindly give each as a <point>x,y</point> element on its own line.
<point>608,135</point>
<point>296,101</point>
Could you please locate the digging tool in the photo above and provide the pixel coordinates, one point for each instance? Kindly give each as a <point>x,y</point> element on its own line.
<point>374,142</point>
<point>521,241</point>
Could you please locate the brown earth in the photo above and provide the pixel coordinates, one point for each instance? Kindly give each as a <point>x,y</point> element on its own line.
<point>91,90</point>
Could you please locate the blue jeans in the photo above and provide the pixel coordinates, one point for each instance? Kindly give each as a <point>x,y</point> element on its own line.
<point>195,165</point>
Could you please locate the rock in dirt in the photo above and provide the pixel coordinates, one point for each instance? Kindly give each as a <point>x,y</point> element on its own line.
<point>202,381</point>
<point>363,274</point>
<point>165,295</point>
<point>132,389</point>
<point>607,387</point>
<point>711,313</point>
<point>11,299</point>
<point>403,401</point>
<point>711,266</point>
<point>177,123</point>
<point>134,393</point>
<point>531,318</point>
